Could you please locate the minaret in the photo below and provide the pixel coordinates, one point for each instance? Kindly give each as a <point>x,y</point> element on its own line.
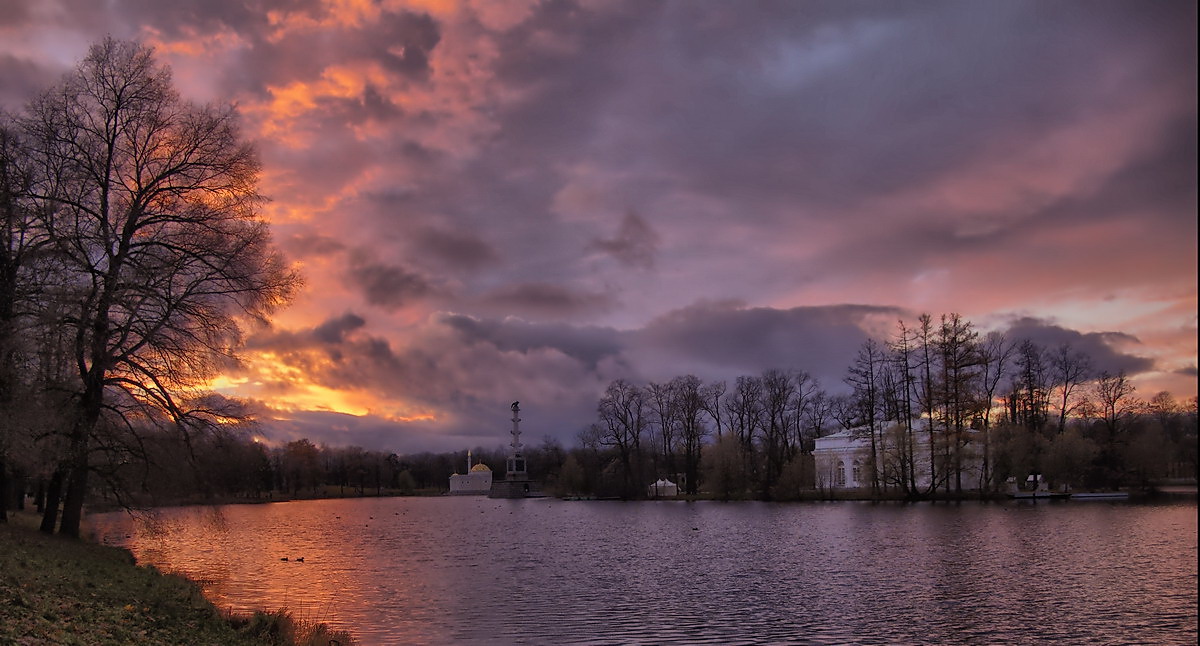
<point>516,460</point>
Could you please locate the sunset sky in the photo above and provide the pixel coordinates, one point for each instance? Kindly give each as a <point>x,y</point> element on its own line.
<point>497,201</point>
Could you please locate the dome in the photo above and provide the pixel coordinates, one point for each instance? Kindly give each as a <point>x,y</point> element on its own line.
<point>480,467</point>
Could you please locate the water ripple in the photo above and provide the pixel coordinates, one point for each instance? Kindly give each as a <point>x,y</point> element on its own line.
<point>474,570</point>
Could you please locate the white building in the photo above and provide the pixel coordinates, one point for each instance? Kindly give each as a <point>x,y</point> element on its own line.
<point>662,488</point>
<point>843,459</point>
<point>477,481</point>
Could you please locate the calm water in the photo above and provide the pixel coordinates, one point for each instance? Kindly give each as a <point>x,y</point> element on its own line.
<point>437,570</point>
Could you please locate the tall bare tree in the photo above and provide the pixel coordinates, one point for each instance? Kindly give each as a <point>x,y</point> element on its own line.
<point>17,232</point>
<point>1114,395</point>
<point>1030,398</point>
<point>903,353</point>
<point>926,395</point>
<point>662,400</point>
<point>689,405</point>
<point>807,389</point>
<point>152,203</point>
<point>958,345</point>
<point>712,394</point>
<point>995,355</point>
<point>1069,369</point>
<point>744,419</point>
<point>778,391</point>
<point>623,420</point>
<point>863,377</point>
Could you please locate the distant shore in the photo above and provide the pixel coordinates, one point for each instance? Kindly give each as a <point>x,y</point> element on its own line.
<point>1159,492</point>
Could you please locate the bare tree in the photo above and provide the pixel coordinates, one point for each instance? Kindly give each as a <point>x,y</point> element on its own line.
<point>711,395</point>
<point>1114,395</point>
<point>689,404</point>
<point>903,353</point>
<point>623,419</point>
<point>743,416</point>
<point>778,390</point>
<point>1068,370</point>
<point>16,226</point>
<point>845,411</point>
<point>923,336</point>
<point>661,399</point>
<point>995,355</point>
<point>803,400</point>
<point>1114,398</point>
<point>957,344</point>
<point>818,414</point>
<point>863,377</point>
<point>152,203</point>
<point>1030,398</point>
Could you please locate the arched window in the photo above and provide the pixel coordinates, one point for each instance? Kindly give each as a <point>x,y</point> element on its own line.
<point>857,472</point>
<point>840,477</point>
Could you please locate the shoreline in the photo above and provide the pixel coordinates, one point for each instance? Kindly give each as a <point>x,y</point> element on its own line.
<point>1150,494</point>
<point>62,590</point>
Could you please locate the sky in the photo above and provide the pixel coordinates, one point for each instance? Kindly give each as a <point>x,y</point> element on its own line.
<point>494,200</point>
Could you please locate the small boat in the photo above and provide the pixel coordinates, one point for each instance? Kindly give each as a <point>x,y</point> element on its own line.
<point>1038,495</point>
<point>1100,495</point>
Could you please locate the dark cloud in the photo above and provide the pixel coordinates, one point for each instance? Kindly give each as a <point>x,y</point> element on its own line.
<point>634,245</point>
<point>545,300</point>
<point>1101,347</point>
<point>729,339</point>
<point>20,80</point>
<point>384,285</point>
<point>14,12</point>
<point>451,249</point>
<point>587,344</point>
<point>184,19</point>
<point>310,243</point>
<point>1189,371</point>
<point>335,330</point>
<point>404,42</point>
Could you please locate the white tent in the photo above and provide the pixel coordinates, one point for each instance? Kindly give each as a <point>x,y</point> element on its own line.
<point>662,489</point>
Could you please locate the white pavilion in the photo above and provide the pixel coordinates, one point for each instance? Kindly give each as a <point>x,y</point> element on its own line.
<point>843,459</point>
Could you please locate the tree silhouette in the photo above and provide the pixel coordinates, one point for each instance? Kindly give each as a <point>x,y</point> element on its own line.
<point>151,204</point>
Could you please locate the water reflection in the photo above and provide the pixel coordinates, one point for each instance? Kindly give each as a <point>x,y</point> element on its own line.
<point>545,571</point>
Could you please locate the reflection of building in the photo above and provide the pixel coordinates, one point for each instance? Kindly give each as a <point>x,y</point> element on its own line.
<point>477,481</point>
<point>843,459</point>
<point>516,482</point>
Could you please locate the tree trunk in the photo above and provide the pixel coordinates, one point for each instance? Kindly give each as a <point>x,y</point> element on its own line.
<point>5,496</point>
<point>90,406</point>
<point>72,514</point>
<point>53,492</point>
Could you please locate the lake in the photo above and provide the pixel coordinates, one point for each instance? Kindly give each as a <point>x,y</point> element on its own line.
<point>545,571</point>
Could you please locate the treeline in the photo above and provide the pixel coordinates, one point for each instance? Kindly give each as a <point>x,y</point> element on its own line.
<point>1050,413</point>
<point>131,254</point>
<point>934,402</point>
<point>231,465</point>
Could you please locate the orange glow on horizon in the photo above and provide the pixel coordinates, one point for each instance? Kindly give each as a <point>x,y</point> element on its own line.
<point>288,388</point>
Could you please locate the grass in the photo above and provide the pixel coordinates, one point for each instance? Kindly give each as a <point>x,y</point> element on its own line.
<point>61,591</point>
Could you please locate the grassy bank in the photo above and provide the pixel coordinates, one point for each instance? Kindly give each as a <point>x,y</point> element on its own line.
<point>61,591</point>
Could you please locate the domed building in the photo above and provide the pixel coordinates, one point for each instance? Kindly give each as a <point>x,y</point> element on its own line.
<point>477,481</point>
